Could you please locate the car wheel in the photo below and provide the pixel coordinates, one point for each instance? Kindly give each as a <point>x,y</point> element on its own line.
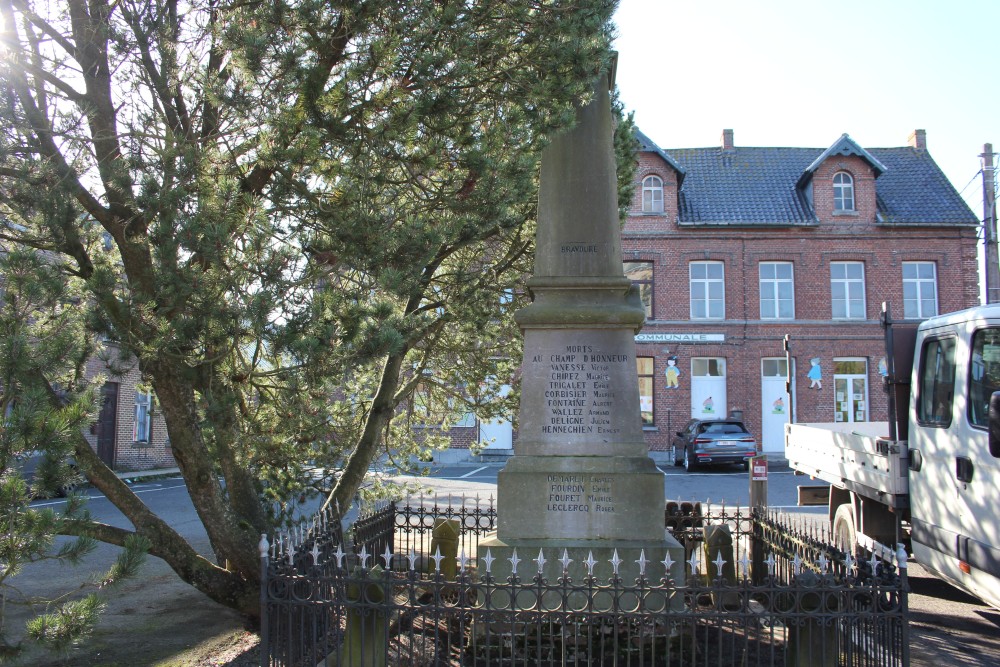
<point>678,460</point>
<point>746,465</point>
<point>72,484</point>
<point>689,463</point>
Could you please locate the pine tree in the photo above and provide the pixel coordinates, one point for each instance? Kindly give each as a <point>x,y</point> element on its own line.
<point>313,208</point>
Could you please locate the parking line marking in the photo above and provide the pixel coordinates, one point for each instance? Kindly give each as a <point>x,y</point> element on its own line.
<point>153,488</point>
<point>470,474</point>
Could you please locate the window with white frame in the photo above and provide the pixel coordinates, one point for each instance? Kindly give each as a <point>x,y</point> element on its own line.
<point>847,290</point>
<point>644,367</point>
<point>777,291</point>
<point>708,293</point>
<point>141,429</point>
<point>843,191</point>
<point>919,290</point>
<point>641,275</point>
<point>652,194</point>
<point>506,299</point>
<point>434,406</point>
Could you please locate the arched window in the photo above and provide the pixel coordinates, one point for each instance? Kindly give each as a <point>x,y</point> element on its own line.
<point>843,192</point>
<point>652,194</point>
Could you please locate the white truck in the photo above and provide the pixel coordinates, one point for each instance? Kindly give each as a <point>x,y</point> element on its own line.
<point>930,476</point>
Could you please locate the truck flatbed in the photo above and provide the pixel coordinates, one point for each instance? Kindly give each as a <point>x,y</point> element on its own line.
<point>857,457</point>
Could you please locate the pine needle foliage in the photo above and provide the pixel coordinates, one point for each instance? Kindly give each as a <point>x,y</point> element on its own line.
<point>293,216</point>
<point>44,403</point>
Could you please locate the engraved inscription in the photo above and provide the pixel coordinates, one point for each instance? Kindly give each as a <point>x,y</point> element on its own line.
<point>580,493</point>
<point>578,391</point>
<point>575,248</point>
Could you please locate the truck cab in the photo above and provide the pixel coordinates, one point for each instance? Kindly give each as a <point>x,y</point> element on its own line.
<point>954,477</point>
<point>929,476</point>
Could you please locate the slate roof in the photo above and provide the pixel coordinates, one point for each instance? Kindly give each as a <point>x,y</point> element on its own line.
<point>751,186</point>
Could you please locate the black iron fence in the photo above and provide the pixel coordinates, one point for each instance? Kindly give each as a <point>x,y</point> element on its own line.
<point>410,586</point>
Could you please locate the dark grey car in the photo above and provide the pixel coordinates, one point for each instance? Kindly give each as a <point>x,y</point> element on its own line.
<point>714,442</point>
<point>31,463</point>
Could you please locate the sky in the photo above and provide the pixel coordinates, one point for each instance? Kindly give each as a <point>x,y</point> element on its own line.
<point>803,72</point>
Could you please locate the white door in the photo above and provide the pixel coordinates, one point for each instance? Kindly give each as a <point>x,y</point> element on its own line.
<point>497,433</point>
<point>850,390</point>
<point>708,388</point>
<point>774,403</point>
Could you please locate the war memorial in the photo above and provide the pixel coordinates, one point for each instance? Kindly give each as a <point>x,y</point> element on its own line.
<point>581,485</point>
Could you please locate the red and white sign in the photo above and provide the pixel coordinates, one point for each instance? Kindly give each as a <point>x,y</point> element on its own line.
<point>758,470</point>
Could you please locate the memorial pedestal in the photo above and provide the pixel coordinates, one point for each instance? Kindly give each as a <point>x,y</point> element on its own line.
<point>583,508</point>
<point>581,482</point>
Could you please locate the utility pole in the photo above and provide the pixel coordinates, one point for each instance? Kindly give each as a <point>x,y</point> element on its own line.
<point>992,274</point>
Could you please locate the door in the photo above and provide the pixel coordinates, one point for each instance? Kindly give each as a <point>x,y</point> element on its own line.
<point>497,433</point>
<point>708,388</point>
<point>107,423</point>
<point>774,413</point>
<point>850,390</point>
<point>974,468</point>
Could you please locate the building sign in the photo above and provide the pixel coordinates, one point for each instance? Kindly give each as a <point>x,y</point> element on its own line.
<point>680,338</point>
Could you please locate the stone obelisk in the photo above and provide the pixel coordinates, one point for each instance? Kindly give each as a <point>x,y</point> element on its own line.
<point>581,480</point>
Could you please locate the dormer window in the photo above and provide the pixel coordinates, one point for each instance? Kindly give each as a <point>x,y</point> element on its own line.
<point>843,191</point>
<point>652,194</point>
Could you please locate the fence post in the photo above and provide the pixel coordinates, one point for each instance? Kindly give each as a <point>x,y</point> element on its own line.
<point>904,594</point>
<point>812,637</point>
<point>720,558</point>
<point>758,506</point>
<point>366,634</point>
<point>265,646</point>
<point>444,540</point>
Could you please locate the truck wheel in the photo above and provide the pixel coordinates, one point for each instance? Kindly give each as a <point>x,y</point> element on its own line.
<point>844,532</point>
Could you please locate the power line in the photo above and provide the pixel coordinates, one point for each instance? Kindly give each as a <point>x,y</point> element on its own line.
<point>971,180</point>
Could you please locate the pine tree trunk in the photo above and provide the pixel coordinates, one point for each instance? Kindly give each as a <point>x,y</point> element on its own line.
<point>236,589</point>
<point>383,407</point>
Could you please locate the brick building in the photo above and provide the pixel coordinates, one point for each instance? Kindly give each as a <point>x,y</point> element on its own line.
<point>130,433</point>
<point>735,247</point>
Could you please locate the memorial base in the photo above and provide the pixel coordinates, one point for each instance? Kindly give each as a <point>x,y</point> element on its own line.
<point>595,499</point>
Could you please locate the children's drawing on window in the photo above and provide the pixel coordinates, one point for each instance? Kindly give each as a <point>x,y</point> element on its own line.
<point>815,374</point>
<point>673,373</point>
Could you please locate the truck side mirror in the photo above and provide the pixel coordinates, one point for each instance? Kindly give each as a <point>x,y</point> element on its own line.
<point>994,424</point>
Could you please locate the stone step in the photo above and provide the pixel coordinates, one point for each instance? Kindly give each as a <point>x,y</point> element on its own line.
<point>494,455</point>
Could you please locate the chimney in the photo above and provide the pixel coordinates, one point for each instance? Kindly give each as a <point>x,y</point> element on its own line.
<point>918,140</point>
<point>727,140</point>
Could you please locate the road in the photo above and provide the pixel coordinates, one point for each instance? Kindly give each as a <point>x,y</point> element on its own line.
<point>727,486</point>
<point>947,626</point>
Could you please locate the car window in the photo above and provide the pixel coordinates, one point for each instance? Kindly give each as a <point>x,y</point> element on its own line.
<point>722,428</point>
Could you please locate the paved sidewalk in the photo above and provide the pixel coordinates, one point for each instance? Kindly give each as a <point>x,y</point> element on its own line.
<point>141,474</point>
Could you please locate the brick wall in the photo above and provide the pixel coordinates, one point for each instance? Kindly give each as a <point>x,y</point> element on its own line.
<point>128,454</point>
